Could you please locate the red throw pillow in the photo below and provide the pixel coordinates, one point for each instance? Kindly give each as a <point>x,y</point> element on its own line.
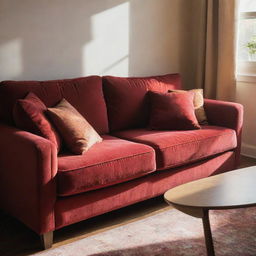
<point>29,115</point>
<point>172,111</point>
<point>126,98</point>
<point>77,133</point>
<point>198,104</point>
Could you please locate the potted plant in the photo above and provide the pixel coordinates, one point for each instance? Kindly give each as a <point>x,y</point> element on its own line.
<point>251,46</point>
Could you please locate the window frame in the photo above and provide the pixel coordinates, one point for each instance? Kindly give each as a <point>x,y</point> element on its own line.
<point>246,70</point>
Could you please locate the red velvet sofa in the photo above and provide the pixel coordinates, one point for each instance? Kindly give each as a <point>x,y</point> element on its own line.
<point>47,191</point>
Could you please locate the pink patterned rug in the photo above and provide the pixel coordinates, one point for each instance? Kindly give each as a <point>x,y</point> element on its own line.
<point>170,233</point>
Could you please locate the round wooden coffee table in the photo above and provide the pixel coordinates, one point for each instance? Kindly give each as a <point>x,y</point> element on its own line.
<point>234,189</point>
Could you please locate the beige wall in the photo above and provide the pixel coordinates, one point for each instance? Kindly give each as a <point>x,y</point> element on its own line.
<point>246,95</point>
<point>51,39</point>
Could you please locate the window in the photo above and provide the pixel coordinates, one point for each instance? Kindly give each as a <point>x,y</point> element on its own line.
<point>246,50</point>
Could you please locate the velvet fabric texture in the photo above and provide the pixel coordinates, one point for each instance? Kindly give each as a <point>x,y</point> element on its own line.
<point>175,148</point>
<point>127,104</point>
<point>29,115</point>
<point>84,93</point>
<point>110,162</point>
<point>28,166</point>
<point>30,183</point>
<point>226,114</point>
<point>172,111</point>
<point>77,133</point>
<point>198,102</point>
<point>69,210</point>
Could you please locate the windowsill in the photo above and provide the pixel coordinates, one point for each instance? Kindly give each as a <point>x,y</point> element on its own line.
<point>247,78</point>
<point>246,72</point>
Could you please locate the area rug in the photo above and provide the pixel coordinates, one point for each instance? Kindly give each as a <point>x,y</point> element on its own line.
<point>170,233</point>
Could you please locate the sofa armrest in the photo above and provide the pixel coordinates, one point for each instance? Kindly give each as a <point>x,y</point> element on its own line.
<point>226,114</point>
<point>28,165</point>
<point>223,113</point>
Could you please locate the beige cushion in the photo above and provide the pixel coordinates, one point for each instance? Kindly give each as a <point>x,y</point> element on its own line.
<point>77,133</point>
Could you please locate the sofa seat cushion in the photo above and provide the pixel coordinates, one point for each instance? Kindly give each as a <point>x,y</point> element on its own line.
<point>175,148</point>
<point>107,163</point>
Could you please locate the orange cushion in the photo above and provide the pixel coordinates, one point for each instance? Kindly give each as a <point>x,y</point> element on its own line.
<point>77,133</point>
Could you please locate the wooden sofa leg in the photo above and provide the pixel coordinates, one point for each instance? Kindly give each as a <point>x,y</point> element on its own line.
<point>47,239</point>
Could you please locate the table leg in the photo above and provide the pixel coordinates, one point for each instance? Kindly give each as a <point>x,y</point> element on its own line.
<point>208,233</point>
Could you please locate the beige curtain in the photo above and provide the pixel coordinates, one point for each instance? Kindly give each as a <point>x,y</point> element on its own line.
<point>217,67</point>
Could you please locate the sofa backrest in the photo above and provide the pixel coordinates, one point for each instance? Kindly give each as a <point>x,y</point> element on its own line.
<point>127,104</point>
<point>85,94</point>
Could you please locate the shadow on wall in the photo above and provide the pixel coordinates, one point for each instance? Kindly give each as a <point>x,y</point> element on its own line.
<point>62,39</point>
<point>45,39</point>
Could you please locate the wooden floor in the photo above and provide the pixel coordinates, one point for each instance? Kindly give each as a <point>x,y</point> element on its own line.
<point>17,239</point>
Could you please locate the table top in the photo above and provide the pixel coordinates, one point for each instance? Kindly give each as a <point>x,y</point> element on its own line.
<point>232,189</point>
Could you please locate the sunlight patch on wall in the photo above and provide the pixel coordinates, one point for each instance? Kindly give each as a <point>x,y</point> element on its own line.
<point>108,51</point>
<point>11,59</point>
